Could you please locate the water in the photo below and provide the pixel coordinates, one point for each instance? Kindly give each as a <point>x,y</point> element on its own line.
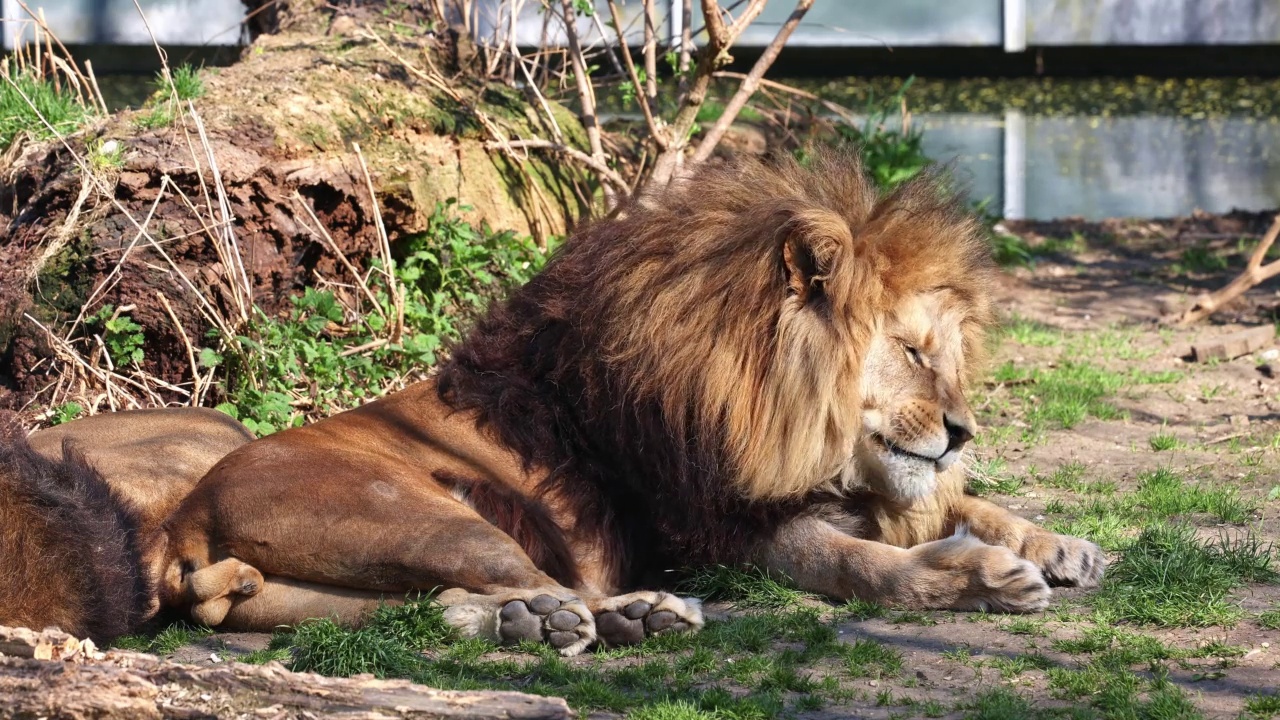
<point>1094,148</point>
<point>1047,167</point>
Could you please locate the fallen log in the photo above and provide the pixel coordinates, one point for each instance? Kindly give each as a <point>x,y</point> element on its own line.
<point>50,674</point>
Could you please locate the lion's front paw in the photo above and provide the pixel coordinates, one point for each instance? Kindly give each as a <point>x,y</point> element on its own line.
<point>964,573</point>
<point>629,619</point>
<point>1066,560</point>
<point>558,619</point>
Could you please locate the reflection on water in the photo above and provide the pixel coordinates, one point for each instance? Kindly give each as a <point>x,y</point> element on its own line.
<point>1144,166</point>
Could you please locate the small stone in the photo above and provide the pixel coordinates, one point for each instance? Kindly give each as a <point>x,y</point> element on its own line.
<point>1270,354</point>
<point>873,683</point>
<point>1266,644</point>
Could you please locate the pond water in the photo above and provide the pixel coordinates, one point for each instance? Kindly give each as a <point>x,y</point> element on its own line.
<point>1043,167</point>
<point>1097,148</point>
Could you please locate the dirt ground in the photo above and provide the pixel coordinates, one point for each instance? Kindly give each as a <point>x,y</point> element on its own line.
<point>1094,298</point>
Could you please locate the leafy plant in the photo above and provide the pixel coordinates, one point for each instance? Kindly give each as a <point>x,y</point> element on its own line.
<point>121,335</point>
<point>282,368</point>
<point>892,149</point>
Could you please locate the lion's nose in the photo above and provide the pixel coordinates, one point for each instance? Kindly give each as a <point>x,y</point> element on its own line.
<point>958,433</point>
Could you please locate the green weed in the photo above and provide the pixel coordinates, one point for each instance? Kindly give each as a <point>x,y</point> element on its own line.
<point>1270,619</point>
<point>161,109</point>
<point>1163,441</point>
<point>284,368</point>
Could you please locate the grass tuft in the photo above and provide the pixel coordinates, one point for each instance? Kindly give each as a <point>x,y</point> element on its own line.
<point>1170,578</point>
<point>63,110</point>
<point>746,587</point>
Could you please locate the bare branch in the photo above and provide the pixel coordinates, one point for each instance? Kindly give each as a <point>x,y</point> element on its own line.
<point>586,93</point>
<point>1254,273</point>
<point>641,95</point>
<point>650,50</point>
<point>752,81</point>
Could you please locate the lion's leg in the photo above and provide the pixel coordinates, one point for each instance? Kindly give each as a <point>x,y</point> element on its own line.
<point>1063,559</point>
<point>283,601</point>
<point>959,573</point>
<point>371,526</point>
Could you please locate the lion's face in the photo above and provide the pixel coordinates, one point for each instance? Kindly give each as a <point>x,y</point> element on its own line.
<point>915,419</point>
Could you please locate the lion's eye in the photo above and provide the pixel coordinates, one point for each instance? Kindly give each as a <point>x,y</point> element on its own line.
<point>915,355</point>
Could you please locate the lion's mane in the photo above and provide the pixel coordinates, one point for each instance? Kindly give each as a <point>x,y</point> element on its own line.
<point>655,369</point>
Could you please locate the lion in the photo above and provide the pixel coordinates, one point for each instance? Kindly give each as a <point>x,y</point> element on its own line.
<point>81,509</point>
<point>764,363</point>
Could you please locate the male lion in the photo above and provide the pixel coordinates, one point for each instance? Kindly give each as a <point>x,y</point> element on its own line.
<point>765,363</point>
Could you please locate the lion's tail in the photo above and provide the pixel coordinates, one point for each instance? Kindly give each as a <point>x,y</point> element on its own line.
<point>69,554</point>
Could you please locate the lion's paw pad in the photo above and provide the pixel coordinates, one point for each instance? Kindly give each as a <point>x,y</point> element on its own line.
<point>543,618</point>
<point>628,623</point>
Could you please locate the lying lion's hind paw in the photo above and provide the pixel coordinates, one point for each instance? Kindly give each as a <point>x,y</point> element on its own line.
<point>629,619</point>
<point>509,619</point>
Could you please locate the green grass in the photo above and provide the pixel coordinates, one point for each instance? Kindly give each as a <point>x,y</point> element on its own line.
<point>1109,518</point>
<point>1270,619</point>
<point>388,645</point>
<point>1032,333</point>
<point>747,587</point>
<point>1169,577</point>
<point>1200,260</point>
<point>166,641</point>
<point>868,658</point>
<point>187,84</point>
<point>1063,396</point>
<point>162,107</point>
<point>63,111</point>
<point>1163,441</point>
<point>1263,706</point>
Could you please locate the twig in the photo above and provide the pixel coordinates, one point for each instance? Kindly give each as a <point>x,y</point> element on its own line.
<point>586,93</point>
<point>844,112</point>
<point>191,353</point>
<point>393,287</point>
<point>342,257</point>
<point>748,87</point>
<point>1254,273</point>
<point>641,93</point>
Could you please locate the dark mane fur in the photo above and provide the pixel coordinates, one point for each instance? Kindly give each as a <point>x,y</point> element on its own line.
<point>548,374</point>
<point>68,547</point>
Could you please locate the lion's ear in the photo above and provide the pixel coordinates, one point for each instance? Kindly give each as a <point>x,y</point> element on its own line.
<point>811,243</point>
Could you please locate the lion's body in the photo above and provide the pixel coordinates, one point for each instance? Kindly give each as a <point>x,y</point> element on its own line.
<point>761,364</point>
<point>764,364</point>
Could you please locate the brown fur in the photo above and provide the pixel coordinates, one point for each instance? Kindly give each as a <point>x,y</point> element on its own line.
<point>765,362</point>
<point>68,545</point>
